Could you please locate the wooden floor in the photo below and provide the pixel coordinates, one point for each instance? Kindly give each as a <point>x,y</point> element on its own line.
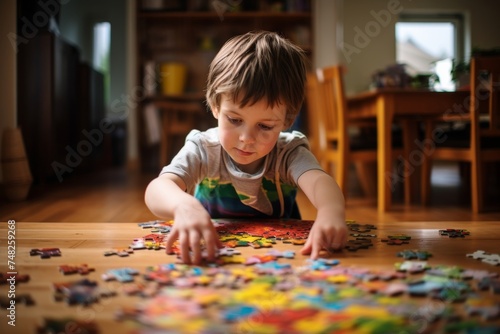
<point>117,196</point>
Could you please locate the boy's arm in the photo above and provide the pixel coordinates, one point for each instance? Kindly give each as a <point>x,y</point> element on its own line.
<point>166,199</point>
<point>164,194</point>
<point>329,230</point>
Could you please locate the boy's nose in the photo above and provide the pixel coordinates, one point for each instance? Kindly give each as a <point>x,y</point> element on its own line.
<point>247,135</point>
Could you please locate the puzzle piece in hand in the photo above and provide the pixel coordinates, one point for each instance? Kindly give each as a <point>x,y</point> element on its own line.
<point>6,278</point>
<point>82,269</point>
<point>121,252</point>
<point>120,274</point>
<point>489,258</point>
<point>66,325</point>
<point>45,253</point>
<point>454,233</point>
<point>84,292</point>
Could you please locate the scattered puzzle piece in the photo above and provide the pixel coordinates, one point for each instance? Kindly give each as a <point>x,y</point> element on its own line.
<point>120,274</point>
<point>7,278</point>
<point>486,309</point>
<point>454,233</point>
<point>121,252</point>
<point>25,299</point>
<point>83,292</point>
<point>489,258</point>
<point>67,325</point>
<point>411,254</point>
<point>82,269</point>
<point>412,267</point>
<point>45,253</point>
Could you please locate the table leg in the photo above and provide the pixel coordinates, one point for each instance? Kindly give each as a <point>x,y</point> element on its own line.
<point>385,114</point>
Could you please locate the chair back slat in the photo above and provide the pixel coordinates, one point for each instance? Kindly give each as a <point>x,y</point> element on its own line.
<point>485,90</point>
<point>335,105</point>
<point>315,124</point>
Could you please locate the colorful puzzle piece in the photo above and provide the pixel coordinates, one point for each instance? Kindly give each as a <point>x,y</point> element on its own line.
<point>412,267</point>
<point>83,292</point>
<point>411,254</point>
<point>120,274</point>
<point>82,269</point>
<point>121,252</point>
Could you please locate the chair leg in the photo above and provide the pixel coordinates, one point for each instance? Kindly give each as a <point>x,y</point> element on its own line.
<point>410,132</point>
<point>476,186</point>
<point>426,169</point>
<point>367,176</point>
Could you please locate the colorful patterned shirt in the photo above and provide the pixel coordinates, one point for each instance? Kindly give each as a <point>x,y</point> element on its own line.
<point>227,192</point>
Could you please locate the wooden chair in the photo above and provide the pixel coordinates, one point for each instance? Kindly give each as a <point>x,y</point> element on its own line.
<point>177,119</point>
<point>330,130</point>
<point>482,138</point>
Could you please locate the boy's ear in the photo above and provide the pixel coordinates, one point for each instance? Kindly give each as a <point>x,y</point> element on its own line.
<point>215,111</point>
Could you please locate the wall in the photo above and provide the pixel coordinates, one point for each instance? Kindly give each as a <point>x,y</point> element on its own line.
<point>8,98</point>
<point>379,50</point>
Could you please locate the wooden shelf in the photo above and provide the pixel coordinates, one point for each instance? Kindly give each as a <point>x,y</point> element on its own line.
<point>290,16</point>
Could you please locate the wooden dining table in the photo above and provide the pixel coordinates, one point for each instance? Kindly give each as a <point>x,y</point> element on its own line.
<point>411,106</point>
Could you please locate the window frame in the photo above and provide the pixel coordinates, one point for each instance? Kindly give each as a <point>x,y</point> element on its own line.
<point>457,19</point>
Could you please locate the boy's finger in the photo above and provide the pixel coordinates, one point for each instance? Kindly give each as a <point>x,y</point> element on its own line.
<point>170,241</point>
<point>315,248</point>
<point>194,241</point>
<point>184,247</point>
<point>307,248</point>
<point>210,244</point>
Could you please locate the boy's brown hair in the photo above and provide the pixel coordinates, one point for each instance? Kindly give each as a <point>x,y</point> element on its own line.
<point>259,65</point>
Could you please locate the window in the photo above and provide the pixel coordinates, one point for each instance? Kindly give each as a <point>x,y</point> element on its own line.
<point>428,44</point>
<point>101,50</point>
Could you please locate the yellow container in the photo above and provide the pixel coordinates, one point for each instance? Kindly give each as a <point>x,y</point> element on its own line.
<point>173,78</point>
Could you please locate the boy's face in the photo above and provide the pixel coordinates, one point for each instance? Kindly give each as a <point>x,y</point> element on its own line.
<point>248,134</point>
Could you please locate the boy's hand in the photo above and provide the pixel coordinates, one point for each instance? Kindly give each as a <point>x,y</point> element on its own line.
<point>192,224</point>
<point>325,235</point>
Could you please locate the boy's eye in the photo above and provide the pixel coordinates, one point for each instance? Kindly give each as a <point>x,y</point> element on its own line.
<point>235,121</point>
<point>266,127</point>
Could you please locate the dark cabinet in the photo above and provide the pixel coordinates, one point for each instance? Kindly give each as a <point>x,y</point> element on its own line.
<point>47,86</point>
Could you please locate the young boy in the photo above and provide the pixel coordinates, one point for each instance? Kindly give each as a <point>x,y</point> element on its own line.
<point>247,167</point>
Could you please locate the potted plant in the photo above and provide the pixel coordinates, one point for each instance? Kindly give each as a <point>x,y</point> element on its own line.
<point>460,69</point>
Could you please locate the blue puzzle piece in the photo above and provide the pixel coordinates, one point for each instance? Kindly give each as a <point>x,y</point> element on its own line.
<point>120,274</point>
